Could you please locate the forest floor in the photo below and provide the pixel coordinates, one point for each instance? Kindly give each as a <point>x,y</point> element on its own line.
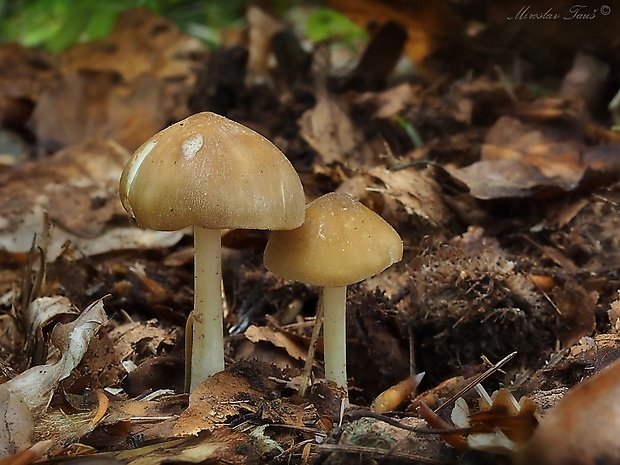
<point>500,173</point>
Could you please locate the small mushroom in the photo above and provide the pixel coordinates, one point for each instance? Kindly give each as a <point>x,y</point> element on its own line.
<point>341,242</point>
<point>210,173</point>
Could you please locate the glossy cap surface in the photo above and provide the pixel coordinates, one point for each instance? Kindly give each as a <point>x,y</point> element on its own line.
<point>341,242</point>
<point>211,172</point>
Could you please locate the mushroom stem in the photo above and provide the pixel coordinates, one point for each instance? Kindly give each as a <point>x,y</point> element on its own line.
<point>334,334</point>
<point>207,346</point>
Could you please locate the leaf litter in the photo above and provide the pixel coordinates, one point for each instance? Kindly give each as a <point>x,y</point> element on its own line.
<point>507,203</point>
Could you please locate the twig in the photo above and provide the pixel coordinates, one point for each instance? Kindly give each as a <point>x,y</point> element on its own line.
<point>318,322</point>
<point>374,452</point>
<point>477,380</point>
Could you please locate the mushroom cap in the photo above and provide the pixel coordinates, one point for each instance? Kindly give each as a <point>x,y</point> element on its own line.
<point>340,242</point>
<point>209,171</point>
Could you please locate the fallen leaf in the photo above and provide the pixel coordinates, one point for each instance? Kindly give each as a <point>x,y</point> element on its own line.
<point>582,427</point>
<point>141,43</point>
<point>543,158</point>
<point>78,187</point>
<point>246,388</point>
<point>278,339</point>
<point>37,384</point>
<point>30,391</point>
<point>17,423</point>
<point>328,129</point>
<point>92,105</point>
<point>392,101</point>
<point>577,307</point>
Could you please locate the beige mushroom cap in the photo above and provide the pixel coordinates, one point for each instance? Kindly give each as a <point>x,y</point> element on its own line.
<point>211,172</point>
<point>341,242</point>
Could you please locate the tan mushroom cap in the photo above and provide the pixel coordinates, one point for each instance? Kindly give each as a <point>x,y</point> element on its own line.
<point>341,242</point>
<point>211,172</point>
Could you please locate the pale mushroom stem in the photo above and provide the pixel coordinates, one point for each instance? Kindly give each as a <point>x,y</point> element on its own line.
<point>334,334</point>
<point>208,343</point>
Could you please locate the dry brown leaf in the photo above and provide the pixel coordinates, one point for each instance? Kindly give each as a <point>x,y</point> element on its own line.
<point>497,179</point>
<point>136,339</point>
<point>543,157</point>
<point>328,129</point>
<point>78,187</point>
<point>245,387</point>
<point>577,307</point>
<point>582,428</point>
<point>29,392</point>
<point>614,315</point>
<point>16,425</point>
<point>141,43</point>
<point>408,199</point>
<point>44,310</point>
<point>418,193</point>
<point>91,105</point>
<point>125,87</point>
<point>24,74</point>
<point>392,101</point>
<point>278,339</point>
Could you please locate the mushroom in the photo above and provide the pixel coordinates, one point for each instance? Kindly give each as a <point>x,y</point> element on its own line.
<point>341,242</point>
<point>211,173</point>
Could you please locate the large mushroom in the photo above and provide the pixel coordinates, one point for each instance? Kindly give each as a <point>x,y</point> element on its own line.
<point>341,242</point>
<point>210,173</point>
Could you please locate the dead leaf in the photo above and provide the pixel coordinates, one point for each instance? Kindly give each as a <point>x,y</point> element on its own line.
<point>577,307</point>
<point>392,101</point>
<point>614,315</point>
<point>582,425</point>
<point>500,179</point>
<point>24,74</point>
<point>408,199</point>
<point>44,310</point>
<point>538,159</point>
<point>92,105</point>
<point>36,384</point>
<point>30,391</point>
<point>278,339</point>
<point>17,423</point>
<point>78,187</point>
<point>141,43</point>
<point>137,339</point>
<point>418,194</point>
<point>246,388</point>
<point>328,129</point>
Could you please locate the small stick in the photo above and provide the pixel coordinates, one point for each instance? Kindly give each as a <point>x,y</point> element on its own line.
<point>318,323</point>
<point>477,380</point>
